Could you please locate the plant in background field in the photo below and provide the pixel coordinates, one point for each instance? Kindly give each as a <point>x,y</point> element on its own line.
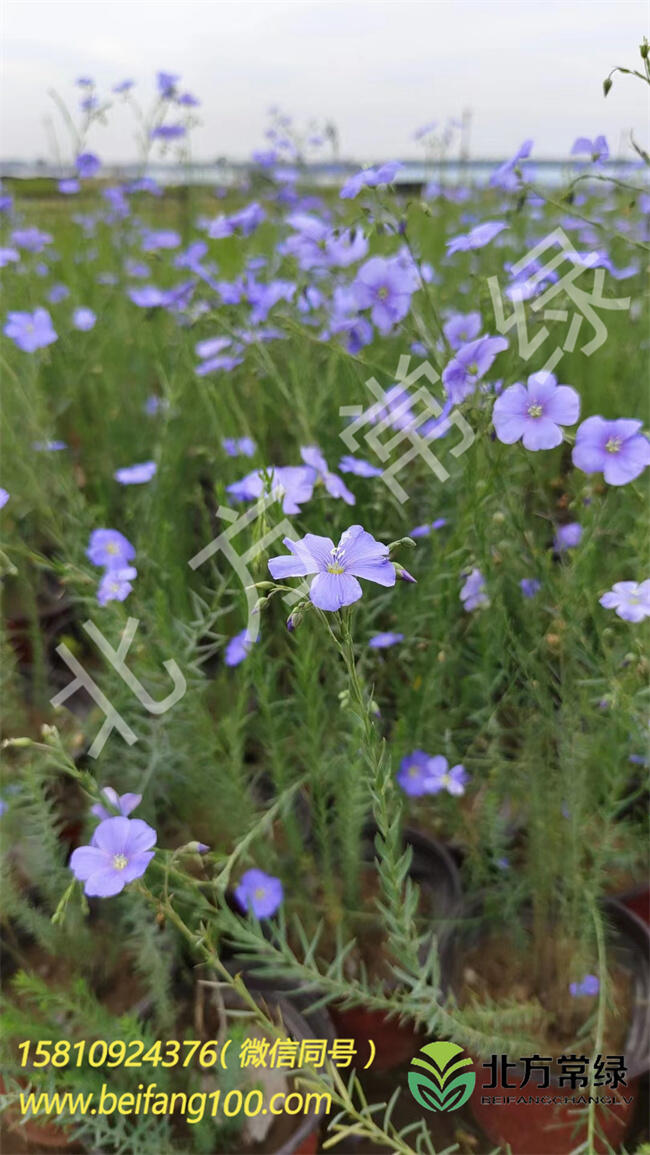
<point>179,383</point>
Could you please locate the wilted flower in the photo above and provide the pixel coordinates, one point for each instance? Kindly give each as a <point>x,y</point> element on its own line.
<point>136,474</point>
<point>473,593</point>
<point>119,852</point>
<point>30,331</point>
<point>110,548</point>
<point>123,803</point>
<point>337,568</point>
<point>535,412</point>
<point>259,892</point>
<point>631,600</point>
<point>617,449</point>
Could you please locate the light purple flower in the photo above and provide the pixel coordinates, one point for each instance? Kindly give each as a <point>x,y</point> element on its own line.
<point>420,773</point>
<point>334,485</point>
<point>88,165</point>
<point>413,773</point>
<point>136,474</point>
<point>425,530</point>
<point>470,364</point>
<point>567,536</point>
<point>51,446</point>
<point>166,82</point>
<point>69,187</point>
<point>294,484</point>
<point>116,585</point>
<point>31,239</point>
<point>462,328</point>
<point>58,293</point>
<point>110,548</point>
<point>631,600</point>
<point>506,176</point>
<point>84,319</point>
<point>4,497</point>
<point>529,587</point>
<point>30,331</point>
<point>384,286</point>
<point>8,257</point>
<point>473,593</point>
<point>383,641</point>
<point>238,648</point>
<point>370,178</point>
<point>259,892</point>
<point>535,412</point>
<point>476,238</point>
<point>239,446</point>
<point>119,852</point>
<point>337,568</point>
<point>168,132</point>
<point>617,449</point>
<point>597,149</point>
<point>155,239</point>
<point>588,986</point>
<point>440,777</point>
<point>358,466</point>
<point>123,803</point>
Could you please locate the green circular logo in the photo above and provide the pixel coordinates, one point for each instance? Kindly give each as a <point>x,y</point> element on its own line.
<point>438,1080</point>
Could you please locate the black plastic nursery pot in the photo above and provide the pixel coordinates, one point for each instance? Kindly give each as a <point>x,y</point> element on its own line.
<point>301,1022</point>
<point>435,872</point>
<point>542,1128</point>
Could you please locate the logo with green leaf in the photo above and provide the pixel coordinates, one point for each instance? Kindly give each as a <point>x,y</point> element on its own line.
<point>438,1079</point>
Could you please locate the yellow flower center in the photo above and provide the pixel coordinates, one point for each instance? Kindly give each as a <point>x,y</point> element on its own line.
<point>260,892</point>
<point>445,780</point>
<point>473,368</point>
<point>535,410</point>
<point>120,861</point>
<point>613,445</point>
<point>335,569</point>
<point>382,293</point>
<point>111,547</point>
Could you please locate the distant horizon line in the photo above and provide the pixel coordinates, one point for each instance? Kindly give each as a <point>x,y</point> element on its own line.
<point>54,168</point>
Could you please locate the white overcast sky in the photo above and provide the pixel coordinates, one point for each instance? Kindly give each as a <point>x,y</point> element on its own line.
<point>378,68</point>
